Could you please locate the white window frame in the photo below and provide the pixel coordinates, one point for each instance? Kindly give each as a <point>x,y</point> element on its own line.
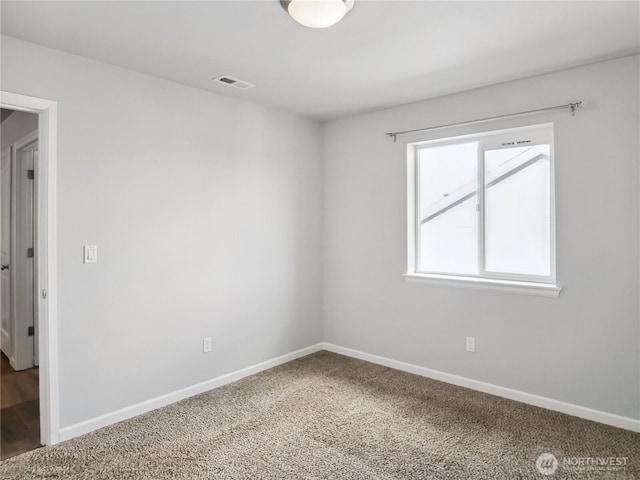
<point>489,140</point>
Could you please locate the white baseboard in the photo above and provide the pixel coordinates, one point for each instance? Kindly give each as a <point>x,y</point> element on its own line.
<point>531,399</point>
<point>87,426</point>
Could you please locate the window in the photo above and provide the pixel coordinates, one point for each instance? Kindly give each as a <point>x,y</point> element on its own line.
<point>481,208</point>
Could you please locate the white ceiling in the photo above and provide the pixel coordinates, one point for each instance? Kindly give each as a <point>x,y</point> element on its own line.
<point>383,53</point>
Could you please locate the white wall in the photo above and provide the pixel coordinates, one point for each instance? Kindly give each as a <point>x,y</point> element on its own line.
<point>16,127</point>
<point>207,216</point>
<point>580,348</point>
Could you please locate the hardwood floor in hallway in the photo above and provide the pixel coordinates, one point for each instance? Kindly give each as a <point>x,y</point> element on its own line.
<point>19,410</point>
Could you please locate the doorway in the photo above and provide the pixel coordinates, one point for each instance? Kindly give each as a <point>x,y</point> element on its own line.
<point>19,373</point>
<point>36,157</point>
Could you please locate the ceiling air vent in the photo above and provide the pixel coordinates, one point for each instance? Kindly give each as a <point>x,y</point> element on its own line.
<point>234,82</point>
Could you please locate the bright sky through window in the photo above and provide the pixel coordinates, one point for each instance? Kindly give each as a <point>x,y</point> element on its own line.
<point>503,229</point>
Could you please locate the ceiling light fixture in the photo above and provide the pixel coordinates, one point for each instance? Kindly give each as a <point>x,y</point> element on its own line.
<point>317,13</point>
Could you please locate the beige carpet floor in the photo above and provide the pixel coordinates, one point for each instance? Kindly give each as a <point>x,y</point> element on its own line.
<point>326,416</point>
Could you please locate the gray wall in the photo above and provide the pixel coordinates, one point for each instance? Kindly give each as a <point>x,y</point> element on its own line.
<point>16,127</point>
<point>582,347</point>
<point>206,215</point>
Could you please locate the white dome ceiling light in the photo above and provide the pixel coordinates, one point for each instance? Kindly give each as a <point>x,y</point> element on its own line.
<point>317,13</point>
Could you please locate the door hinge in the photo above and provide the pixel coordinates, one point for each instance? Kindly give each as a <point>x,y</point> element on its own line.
<point>32,331</point>
<point>29,252</point>
<point>30,174</point>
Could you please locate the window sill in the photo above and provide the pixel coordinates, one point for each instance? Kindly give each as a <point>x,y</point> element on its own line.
<point>525,288</point>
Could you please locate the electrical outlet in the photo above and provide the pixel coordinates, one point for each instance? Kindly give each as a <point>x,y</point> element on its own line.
<point>206,345</point>
<point>90,254</point>
<point>471,344</point>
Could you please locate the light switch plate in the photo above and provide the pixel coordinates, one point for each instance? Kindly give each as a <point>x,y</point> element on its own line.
<point>90,254</point>
<point>206,345</point>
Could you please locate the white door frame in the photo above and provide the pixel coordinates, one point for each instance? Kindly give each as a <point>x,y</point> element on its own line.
<point>45,245</point>
<point>6,336</point>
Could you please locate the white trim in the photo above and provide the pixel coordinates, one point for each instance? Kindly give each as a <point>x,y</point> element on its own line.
<point>413,233</point>
<point>523,397</point>
<point>87,426</point>
<point>512,286</point>
<point>47,308</point>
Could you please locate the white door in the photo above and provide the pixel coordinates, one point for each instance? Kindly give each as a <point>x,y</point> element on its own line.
<point>5,248</point>
<point>23,268</point>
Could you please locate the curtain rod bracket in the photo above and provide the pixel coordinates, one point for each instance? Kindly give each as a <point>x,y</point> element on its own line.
<point>574,106</point>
